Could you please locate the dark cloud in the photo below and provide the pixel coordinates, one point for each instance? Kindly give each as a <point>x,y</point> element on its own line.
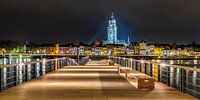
<point>86,20</point>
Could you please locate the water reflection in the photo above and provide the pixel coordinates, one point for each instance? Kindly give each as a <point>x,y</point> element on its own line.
<point>15,59</point>
<point>191,63</point>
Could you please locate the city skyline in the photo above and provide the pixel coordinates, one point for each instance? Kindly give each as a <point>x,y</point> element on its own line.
<point>71,21</point>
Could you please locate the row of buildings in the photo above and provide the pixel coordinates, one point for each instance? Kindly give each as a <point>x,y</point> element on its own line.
<point>141,48</point>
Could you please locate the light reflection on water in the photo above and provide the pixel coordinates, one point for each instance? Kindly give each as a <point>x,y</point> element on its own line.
<point>191,63</point>
<point>14,60</point>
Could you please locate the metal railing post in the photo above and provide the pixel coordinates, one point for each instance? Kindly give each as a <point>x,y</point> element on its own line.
<point>131,63</point>
<point>4,77</point>
<point>151,69</point>
<point>20,76</point>
<point>182,86</point>
<point>159,74</point>
<point>37,70</point>
<point>16,75</point>
<point>43,67</point>
<point>28,72</point>
<point>145,68</point>
<point>168,76</point>
<point>56,64</point>
<point>0,79</point>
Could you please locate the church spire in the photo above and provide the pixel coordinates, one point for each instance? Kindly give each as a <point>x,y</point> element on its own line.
<point>112,17</point>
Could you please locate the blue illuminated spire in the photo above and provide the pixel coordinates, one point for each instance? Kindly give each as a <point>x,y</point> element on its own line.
<point>112,17</point>
<point>112,30</point>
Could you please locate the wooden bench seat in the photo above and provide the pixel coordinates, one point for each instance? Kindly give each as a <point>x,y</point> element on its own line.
<point>145,82</point>
<point>111,63</point>
<point>125,70</point>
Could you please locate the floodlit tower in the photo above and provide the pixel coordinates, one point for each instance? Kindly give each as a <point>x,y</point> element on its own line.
<point>112,31</point>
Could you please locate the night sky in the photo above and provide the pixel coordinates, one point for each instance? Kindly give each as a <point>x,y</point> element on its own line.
<point>165,21</point>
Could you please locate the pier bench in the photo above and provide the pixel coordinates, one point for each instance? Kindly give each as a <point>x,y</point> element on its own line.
<point>111,63</point>
<point>145,82</point>
<point>125,70</point>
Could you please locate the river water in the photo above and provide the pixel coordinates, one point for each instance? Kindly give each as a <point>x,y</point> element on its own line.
<point>190,63</point>
<point>16,59</point>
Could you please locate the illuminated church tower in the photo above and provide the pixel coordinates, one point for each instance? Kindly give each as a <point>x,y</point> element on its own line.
<point>112,31</point>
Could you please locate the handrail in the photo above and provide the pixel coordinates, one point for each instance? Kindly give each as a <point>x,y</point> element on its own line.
<point>183,78</point>
<point>32,62</point>
<point>161,64</point>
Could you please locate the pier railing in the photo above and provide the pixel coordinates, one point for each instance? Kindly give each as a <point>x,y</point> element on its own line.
<point>184,79</point>
<point>14,74</point>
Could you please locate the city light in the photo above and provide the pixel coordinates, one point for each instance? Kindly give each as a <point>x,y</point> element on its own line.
<point>21,64</point>
<point>163,64</point>
<point>142,61</point>
<point>44,60</point>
